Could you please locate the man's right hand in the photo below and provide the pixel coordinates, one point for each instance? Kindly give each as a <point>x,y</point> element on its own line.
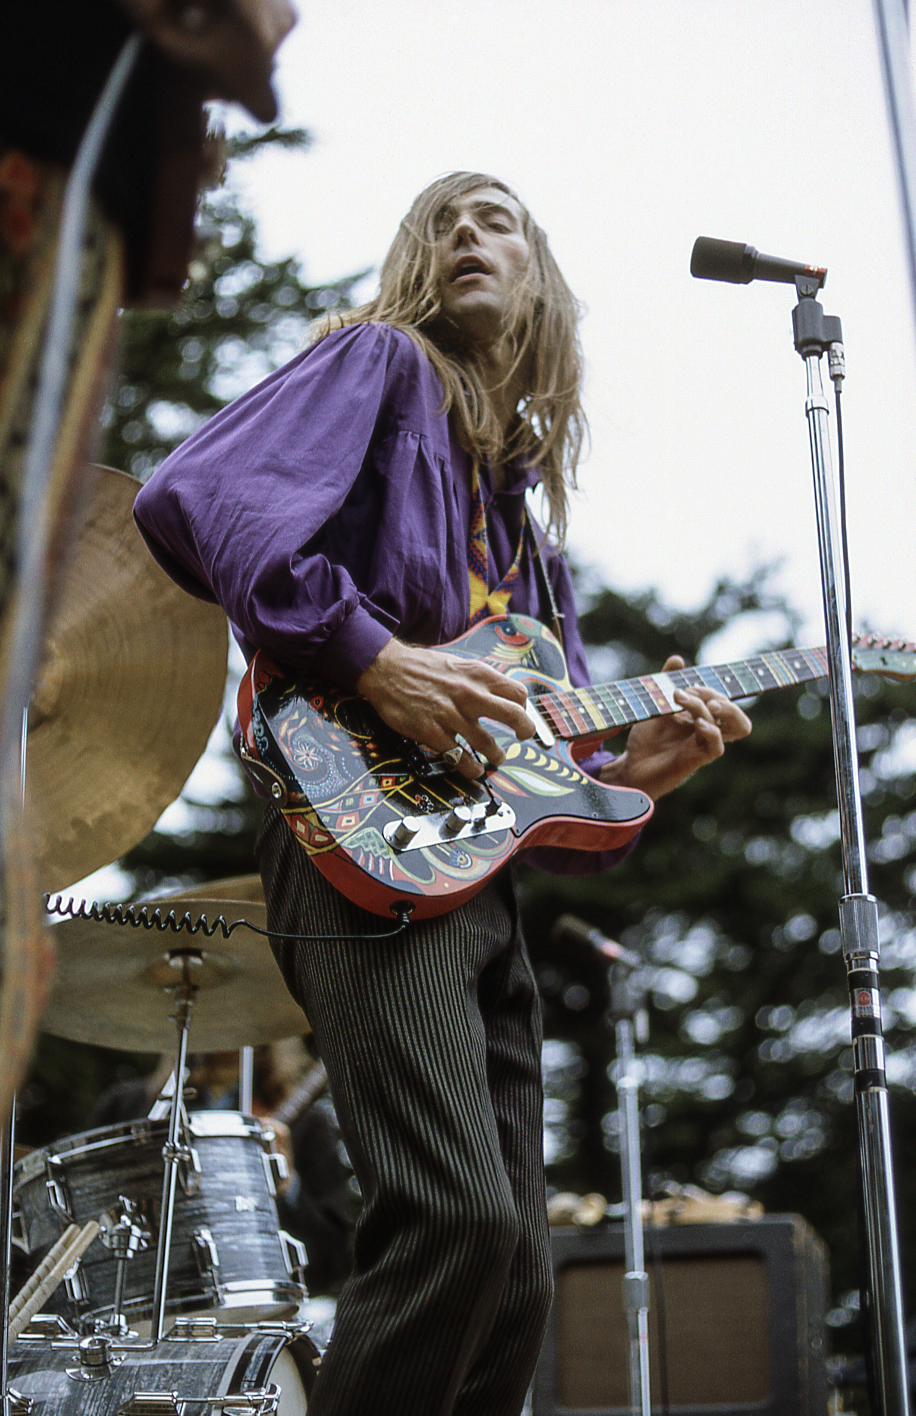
<point>432,696</point>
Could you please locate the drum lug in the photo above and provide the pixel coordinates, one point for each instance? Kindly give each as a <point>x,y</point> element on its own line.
<point>18,1235</point>
<point>263,1401</point>
<point>58,1199</point>
<point>205,1251</point>
<point>47,1326</point>
<point>275,1168</point>
<point>189,1171</point>
<point>151,1403</point>
<point>294,1253</point>
<point>199,1328</point>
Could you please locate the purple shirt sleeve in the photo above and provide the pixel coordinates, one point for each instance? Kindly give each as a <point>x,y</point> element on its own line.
<point>239,512</point>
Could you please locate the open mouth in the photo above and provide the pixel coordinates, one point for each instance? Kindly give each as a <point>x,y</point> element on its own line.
<point>470,265</point>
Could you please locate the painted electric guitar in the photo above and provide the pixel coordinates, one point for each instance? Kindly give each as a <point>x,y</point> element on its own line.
<point>386,821</point>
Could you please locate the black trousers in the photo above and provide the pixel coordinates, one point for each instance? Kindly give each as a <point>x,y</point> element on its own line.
<point>432,1044</point>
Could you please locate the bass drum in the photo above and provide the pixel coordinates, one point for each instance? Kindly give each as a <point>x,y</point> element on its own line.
<point>256,1371</point>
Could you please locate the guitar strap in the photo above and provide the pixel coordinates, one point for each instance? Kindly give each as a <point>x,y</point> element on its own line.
<point>556,618</point>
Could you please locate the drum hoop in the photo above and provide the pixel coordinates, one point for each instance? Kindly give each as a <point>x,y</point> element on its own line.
<point>201,1124</point>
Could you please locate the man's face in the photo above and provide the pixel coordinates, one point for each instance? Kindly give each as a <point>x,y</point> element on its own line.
<point>482,254</point>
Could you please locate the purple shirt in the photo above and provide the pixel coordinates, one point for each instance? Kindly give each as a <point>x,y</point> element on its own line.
<point>329,508</point>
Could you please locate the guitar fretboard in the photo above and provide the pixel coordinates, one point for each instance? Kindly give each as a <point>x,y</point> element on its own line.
<point>602,708</point>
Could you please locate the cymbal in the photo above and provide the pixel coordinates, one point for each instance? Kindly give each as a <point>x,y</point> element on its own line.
<point>129,689</point>
<point>114,984</point>
<point>232,887</point>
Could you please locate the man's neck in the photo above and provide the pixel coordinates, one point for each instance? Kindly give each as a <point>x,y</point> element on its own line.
<point>503,389</point>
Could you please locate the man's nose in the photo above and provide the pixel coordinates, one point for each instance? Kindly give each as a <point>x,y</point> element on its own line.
<point>465,229</point>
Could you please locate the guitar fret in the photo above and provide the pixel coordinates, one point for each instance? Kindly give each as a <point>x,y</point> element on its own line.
<point>656,696</point>
<point>552,710</point>
<point>616,715</point>
<point>718,677</point>
<point>591,707</point>
<point>629,692</point>
<point>575,717</point>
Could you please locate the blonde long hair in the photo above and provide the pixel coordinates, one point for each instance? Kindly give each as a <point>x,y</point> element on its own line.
<point>543,328</point>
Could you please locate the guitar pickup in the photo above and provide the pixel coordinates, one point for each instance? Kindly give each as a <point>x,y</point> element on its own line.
<point>466,818</point>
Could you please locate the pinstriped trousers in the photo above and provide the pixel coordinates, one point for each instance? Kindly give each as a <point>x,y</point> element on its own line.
<point>432,1044</point>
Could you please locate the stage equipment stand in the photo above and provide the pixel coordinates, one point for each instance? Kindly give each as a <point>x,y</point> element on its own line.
<point>815,335</point>
<point>628,1011</point>
<point>176,1151</point>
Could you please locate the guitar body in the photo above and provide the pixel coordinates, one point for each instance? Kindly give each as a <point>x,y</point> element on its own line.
<point>377,814</point>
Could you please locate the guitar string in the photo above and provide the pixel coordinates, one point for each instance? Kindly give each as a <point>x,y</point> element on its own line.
<point>629,700</point>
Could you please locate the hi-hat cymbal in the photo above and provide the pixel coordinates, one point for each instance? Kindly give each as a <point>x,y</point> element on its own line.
<point>129,689</point>
<point>114,984</point>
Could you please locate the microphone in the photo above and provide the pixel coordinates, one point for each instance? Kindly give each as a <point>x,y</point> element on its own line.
<point>571,927</point>
<point>729,260</point>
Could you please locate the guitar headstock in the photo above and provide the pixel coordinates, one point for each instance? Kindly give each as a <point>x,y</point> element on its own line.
<point>894,658</point>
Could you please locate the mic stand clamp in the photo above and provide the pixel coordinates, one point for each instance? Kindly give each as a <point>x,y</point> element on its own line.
<point>628,1011</point>
<point>815,335</point>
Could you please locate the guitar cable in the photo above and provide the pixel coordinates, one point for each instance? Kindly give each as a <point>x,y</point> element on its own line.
<point>139,916</point>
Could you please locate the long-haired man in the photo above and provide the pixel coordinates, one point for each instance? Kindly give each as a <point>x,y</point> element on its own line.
<point>359,507</point>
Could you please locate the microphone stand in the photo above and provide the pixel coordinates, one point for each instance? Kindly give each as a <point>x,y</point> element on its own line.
<point>816,334</point>
<point>627,1010</point>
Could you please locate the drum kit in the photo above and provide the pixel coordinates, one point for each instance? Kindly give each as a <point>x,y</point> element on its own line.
<point>159,1280</point>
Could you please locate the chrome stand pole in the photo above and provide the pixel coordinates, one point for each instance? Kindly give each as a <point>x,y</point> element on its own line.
<point>626,1007</point>
<point>173,1152</point>
<point>816,334</point>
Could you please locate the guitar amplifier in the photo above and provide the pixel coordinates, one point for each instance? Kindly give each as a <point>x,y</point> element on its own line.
<point>736,1321</point>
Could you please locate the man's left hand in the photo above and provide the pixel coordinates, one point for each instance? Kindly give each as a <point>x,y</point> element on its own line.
<point>662,752</point>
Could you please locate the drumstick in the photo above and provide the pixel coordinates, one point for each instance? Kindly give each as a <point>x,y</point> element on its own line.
<point>49,1274</point>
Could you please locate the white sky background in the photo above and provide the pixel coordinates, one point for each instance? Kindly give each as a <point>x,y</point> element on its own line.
<point>630,129</point>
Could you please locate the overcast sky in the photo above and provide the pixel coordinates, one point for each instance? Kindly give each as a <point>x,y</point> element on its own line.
<point>629,130</point>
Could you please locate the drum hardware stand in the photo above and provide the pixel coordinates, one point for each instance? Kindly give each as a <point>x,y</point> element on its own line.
<point>174,1152</point>
<point>816,334</point>
<point>628,1009</point>
<point>125,1232</point>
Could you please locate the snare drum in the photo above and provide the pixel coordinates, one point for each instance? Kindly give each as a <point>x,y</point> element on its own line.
<point>227,1250</point>
<point>259,1372</point>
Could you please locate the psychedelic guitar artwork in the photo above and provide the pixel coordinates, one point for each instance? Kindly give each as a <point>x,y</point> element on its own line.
<point>390,823</point>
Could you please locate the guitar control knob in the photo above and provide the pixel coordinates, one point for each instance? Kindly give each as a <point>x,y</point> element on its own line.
<point>404,832</point>
<point>459,818</point>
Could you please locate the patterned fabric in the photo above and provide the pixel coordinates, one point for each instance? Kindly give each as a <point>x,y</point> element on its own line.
<point>486,602</point>
<point>432,1044</point>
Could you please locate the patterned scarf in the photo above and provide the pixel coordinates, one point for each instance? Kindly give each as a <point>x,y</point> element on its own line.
<point>484,601</point>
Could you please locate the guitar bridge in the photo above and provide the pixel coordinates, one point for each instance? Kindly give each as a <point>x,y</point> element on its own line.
<point>467,818</point>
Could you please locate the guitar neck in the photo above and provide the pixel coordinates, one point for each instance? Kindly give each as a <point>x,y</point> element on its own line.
<point>602,709</point>
<point>302,1096</point>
